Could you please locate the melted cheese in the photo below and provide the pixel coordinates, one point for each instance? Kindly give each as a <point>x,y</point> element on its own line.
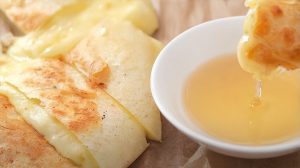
<point>54,132</point>
<point>23,146</point>
<point>96,120</point>
<point>65,29</point>
<point>271,36</point>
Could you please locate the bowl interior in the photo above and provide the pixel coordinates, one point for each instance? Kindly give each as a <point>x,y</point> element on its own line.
<point>176,62</point>
<point>186,53</point>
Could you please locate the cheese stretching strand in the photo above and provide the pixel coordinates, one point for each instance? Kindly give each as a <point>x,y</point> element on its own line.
<point>271,37</point>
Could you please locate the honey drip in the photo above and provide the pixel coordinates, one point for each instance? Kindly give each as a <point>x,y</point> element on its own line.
<point>257,97</point>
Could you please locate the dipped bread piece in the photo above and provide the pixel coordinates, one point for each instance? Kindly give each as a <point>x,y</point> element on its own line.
<point>22,146</point>
<point>129,55</point>
<point>62,31</point>
<point>271,36</point>
<point>29,15</point>
<point>110,133</point>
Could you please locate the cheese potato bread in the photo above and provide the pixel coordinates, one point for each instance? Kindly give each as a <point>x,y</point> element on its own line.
<point>22,146</point>
<point>78,81</point>
<point>271,36</point>
<point>29,15</point>
<point>90,118</point>
<point>107,58</point>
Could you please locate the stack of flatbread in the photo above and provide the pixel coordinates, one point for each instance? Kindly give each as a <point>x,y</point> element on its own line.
<point>74,89</point>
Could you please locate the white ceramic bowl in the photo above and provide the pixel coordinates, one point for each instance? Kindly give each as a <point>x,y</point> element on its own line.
<point>176,62</point>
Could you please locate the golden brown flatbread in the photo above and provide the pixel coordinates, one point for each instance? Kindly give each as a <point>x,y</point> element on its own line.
<point>29,15</point>
<point>94,122</point>
<point>110,133</point>
<point>118,57</point>
<point>271,36</point>
<point>21,146</point>
<point>64,29</point>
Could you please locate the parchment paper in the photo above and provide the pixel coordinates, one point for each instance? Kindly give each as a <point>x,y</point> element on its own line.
<point>178,151</point>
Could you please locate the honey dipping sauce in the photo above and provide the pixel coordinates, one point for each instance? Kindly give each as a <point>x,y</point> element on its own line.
<point>221,98</point>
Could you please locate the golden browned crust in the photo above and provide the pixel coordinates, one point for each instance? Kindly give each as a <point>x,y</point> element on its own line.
<point>78,107</point>
<point>21,146</point>
<point>60,95</point>
<point>29,15</point>
<point>52,72</point>
<point>86,59</point>
<point>272,30</point>
<point>75,104</point>
<point>125,77</point>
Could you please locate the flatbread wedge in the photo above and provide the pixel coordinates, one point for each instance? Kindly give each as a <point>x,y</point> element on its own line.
<point>112,135</point>
<point>22,146</point>
<point>271,36</point>
<point>129,55</point>
<point>63,30</point>
<point>29,15</point>
<point>54,132</point>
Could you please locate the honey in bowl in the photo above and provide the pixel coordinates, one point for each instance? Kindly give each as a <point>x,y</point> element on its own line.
<point>221,99</point>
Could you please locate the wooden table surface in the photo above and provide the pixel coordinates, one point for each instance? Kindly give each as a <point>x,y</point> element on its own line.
<point>178,15</point>
<point>175,17</point>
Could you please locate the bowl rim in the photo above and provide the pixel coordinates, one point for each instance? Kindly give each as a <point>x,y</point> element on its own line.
<point>212,142</point>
